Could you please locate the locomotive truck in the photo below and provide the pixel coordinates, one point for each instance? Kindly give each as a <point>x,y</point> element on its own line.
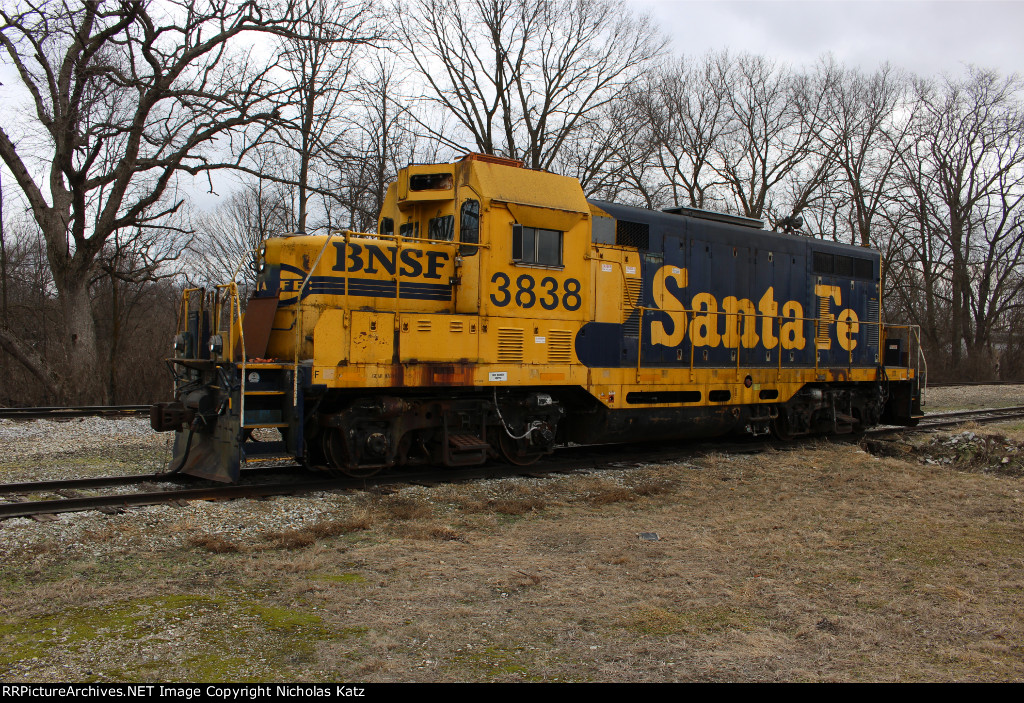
<point>497,312</point>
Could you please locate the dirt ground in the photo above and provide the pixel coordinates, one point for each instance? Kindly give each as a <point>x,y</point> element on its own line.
<point>820,562</point>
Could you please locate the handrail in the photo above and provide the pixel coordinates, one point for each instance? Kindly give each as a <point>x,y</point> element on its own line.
<point>740,326</point>
<point>298,311</point>
<point>394,237</point>
<point>184,307</point>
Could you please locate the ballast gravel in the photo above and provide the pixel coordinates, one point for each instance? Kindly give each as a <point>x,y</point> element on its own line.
<point>54,450</point>
<point>19,438</point>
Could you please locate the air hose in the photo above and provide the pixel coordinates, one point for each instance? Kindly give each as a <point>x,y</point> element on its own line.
<point>533,428</point>
<point>188,448</point>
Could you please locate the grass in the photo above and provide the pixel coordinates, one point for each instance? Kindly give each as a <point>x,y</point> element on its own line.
<point>822,563</point>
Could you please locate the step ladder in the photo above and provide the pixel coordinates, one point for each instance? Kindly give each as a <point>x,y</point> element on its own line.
<point>265,404</point>
<point>264,388</point>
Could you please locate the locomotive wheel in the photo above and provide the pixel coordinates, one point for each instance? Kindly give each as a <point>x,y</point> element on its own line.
<point>780,428</point>
<point>336,451</point>
<point>510,451</point>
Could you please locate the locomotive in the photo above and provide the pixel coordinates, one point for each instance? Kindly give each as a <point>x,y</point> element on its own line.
<point>497,312</point>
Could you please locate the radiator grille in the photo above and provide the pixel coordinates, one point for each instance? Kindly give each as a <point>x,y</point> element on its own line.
<point>559,347</point>
<point>821,337</point>
<point>873,328</point>
<point>630,302</point>
<point>632,234</point>
<point>510,344</point>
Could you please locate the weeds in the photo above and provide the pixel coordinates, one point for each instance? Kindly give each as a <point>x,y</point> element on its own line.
<point>312,534</point>
<point>405,508</point>
<point>214,543</point>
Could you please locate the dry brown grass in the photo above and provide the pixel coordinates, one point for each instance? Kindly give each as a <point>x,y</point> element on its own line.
<point>514,506</point>
<point>820,563</point>
<point>401,508</point>
<point>317,532</point>
<point>214,543</point>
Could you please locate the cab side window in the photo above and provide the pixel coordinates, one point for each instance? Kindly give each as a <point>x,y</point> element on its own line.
<point>532,245</point>
<point>469,226</point>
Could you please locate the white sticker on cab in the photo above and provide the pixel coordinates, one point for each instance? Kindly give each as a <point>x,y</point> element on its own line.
<point>498,376</point>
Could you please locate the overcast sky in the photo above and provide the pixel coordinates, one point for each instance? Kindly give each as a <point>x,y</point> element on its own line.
<point>925,37</point>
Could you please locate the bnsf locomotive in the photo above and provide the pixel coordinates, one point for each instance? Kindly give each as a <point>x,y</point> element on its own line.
<point>498,312</point>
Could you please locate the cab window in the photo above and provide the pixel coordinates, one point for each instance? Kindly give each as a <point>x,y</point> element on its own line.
<point>532,245</point>
<point>442,229</point>
<point>469,226</point>
<point>430,181</point>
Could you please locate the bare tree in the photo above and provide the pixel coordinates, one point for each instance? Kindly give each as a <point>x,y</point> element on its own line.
<point>766,141</point>
<point>611,157</point>
<point>25,335</point>
<point>126,269</point>
<point>125,96</point>
<point>318,74</point>
<point>379,139</point>
<point>686,106</point>
<point>521,76</point>
<point>229,238</point>
<point>855,122</point>
<point>965,174</point>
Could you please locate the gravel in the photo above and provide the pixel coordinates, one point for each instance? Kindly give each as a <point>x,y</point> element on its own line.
<point>53,450</point>
<point>19,438</point>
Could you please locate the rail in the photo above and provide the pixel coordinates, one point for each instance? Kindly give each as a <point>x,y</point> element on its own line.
<point>57,413</point>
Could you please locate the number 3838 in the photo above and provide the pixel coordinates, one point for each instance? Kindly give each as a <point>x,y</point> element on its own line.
<point>526,292</point>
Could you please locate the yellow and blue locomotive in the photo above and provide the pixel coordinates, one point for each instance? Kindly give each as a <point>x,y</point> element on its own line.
<point>498,312</point>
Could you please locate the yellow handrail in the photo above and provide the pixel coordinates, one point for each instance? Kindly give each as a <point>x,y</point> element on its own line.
<point>816,325</point>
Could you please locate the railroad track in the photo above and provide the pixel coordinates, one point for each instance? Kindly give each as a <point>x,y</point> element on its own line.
<point>32,499</point>
<point>935,421</point>
<point>952,384</point>
<point>64,413</point>
<point>36,499</point>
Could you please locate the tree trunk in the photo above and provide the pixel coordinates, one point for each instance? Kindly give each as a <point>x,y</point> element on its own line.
<point>83,382</point>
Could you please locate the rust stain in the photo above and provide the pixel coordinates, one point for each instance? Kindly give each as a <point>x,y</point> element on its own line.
<point>441,374</point>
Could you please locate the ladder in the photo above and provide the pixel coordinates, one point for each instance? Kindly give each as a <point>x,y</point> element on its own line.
<point>263,401</point>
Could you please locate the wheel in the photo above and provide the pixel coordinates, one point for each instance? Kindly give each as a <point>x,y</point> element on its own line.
<point>780,428</point>
<point>511,451</point>
<point>336,450</point>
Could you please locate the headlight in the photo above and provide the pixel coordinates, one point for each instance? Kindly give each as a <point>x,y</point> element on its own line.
<point>216,345</point>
